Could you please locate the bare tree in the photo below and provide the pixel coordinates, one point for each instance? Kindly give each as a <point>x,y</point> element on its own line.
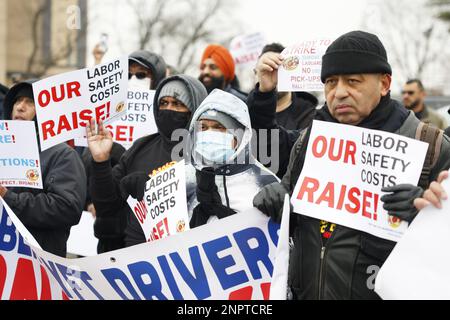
<point>40,61</point>
<point>413,38</point>
<point>178,28</point>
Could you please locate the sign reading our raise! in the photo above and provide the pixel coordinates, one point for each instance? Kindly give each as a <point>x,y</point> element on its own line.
<point>65,103</point>
<point>345,169</point>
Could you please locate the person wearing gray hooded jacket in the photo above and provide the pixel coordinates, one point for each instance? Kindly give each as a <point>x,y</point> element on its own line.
<point>176,99</point>
<point>227,175</point>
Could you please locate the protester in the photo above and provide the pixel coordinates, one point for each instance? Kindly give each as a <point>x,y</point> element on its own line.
<point>227,175</point>
<point>414,94</point>
<point>357,77</point>
<point>3,91</point>
<point>146,70</point>
<point>294,110</point>
<point>217,71</point>
<point>176,100</point>
<point>49,213</point>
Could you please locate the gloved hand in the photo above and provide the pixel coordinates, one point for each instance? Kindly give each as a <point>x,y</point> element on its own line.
<point>134,185</point>
<point>400,203</point>
<point>207,191</point>
<point>270,201</point>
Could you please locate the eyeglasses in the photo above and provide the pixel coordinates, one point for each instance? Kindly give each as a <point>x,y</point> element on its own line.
<point>139,75</point>
<point>409,93</point>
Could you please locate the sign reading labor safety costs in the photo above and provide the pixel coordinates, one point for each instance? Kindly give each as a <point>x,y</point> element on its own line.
<point>302,66</point>
<point>163,212</point>
<point>65,103</point>
<point>137,123</point>
<point>345,169</point>
<point>230,259</point>
<point>19,155</point>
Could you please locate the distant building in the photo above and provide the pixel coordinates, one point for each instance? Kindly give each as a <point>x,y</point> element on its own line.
<point>35,40</point>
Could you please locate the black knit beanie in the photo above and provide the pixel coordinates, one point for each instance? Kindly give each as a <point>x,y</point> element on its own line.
<point>355,52</point>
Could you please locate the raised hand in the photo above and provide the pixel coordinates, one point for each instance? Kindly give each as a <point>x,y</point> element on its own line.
<point>267,71</point>
<point>100,142</point>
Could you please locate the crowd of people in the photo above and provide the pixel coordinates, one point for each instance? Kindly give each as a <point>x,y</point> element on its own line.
<point>224,175</point>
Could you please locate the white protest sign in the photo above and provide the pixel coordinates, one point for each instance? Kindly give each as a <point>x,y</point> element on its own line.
<point>417,268</point>
<point>65,103</point>
<point>163,212</point>
<point>246,49</point>
<point>278,290</point>
<point>345,169</point>
<point>19,155</point>
<point>82,241</point>
<point>229,259</point>
<point>302,66</point>
<point>137,123</point>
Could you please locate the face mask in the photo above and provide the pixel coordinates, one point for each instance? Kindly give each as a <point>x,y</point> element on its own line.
<point>214,146</point>
<point>169,121</point>
<point>135,83</point>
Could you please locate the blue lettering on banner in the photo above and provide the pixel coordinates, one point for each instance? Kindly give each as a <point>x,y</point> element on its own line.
<point>54,271</point>
<point>113,275</point>
<point>170,278</point>
<point>66,272</point>
<point>86,278</point>
<point>8,236</point>
<point>23,247</point>
<point>149,290</point>
<point>273,231</point>
<point>197,282</point>
<point>253,256</point>
<point>220,265</point>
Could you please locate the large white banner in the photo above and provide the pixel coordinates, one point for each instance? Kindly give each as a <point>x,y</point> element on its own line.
<point>417,268</point>
<point>137,123</point>
<point>19,155</point>
<point>163,212</point>
<point>65,103</point>
<point>230,259</point>
<point>345,169</point>
<point>302,66</point>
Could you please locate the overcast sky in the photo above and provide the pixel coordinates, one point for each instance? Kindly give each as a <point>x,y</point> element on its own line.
<point>285,21</point>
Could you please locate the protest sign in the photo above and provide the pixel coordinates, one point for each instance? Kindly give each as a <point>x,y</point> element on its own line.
<point>163,212</point>
<point>82,241</point>
<point>137,123</point>
<point>65,103</point>
<point>345,169</point>
<point>19,155</point>
<point>417,268</point>
<point>229,259</point>
<point>246,49</point>
<point>278,289</point>
<point>302,66</point>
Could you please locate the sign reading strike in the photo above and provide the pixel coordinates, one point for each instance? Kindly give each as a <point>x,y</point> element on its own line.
<point>230,259</point>
<point>247,48</point>
<point>19,160</point>
<point>163,212</point>
<point>302,66</point>
<point>137,123</point>
<point>345,169</point>
<point>65,103</point>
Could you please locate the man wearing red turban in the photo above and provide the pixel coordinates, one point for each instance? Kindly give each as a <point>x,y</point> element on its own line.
<point>217,71</point>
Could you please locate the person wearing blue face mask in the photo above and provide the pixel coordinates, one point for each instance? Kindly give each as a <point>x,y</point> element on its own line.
<point>227,175</point>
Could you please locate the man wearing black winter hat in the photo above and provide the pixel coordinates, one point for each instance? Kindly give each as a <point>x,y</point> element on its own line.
<point>331,261</point>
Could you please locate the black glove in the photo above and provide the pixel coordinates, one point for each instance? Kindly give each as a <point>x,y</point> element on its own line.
<point>400,203</point>
<point>134,185</point>
<point>207,191</point>
<point>270,201</point>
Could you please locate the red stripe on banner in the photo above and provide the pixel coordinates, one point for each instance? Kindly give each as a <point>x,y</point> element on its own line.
<point>265,288</point>
<point>46,291</point>
<point>24,286</point>
<point>3,271</point>
<point>242,294</point>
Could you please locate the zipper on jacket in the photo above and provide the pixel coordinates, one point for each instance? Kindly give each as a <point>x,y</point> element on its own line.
<point>322,258</point>
<point>226,191</point>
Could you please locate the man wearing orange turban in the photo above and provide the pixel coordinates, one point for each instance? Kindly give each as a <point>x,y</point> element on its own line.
<point>217,71</point>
